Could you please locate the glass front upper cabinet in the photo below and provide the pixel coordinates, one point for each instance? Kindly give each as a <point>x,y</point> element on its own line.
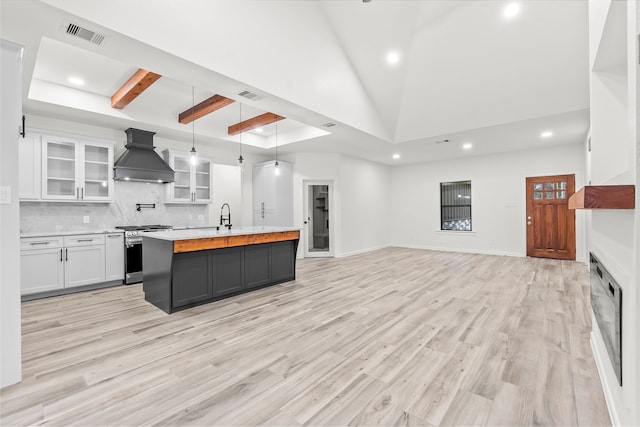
<point>192,182</point>
<point>76,170</point>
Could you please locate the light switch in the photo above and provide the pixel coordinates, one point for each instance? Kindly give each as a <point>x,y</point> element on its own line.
<point>86,219</point>
<point>5,195</point>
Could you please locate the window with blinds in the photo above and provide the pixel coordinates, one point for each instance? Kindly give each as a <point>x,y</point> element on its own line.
<point>455,206</point>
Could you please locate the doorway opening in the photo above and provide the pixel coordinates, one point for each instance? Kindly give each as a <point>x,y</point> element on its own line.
<point>318,218</point>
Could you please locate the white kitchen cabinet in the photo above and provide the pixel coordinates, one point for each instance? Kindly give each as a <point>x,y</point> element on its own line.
<point>192,182</point>
<point>30,160</point>
<point>76,169</point>
<point>41,264</point>
<point>84,260</point>
<point>58,262</point>
<point>273,194</point>
<point>114,256</point>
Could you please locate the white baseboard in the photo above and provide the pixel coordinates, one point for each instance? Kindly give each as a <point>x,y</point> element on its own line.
<point>608,394</point>
<point>472,251</point>
<point>362,251</point>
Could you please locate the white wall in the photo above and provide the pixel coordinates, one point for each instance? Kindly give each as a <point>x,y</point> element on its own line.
<point>613,234</point>
<point>227,188</point>
<point>360,200</point>
<point>365,210</point>
<point>498,200</point>
<point>10,111</point>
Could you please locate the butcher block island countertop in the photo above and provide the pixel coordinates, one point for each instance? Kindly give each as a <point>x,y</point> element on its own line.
<point>186,268</point>
<point>190,240</point>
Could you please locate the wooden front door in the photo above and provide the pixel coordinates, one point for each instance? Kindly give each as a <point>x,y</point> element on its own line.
<point>551,225</point>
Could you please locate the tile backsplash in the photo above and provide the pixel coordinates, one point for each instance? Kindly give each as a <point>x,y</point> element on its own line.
<point>61,216</point>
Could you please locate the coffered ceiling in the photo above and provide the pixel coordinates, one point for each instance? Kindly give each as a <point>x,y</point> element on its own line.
<point>464,72</point>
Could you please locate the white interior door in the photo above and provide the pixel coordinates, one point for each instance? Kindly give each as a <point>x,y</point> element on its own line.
<point>318,218</point>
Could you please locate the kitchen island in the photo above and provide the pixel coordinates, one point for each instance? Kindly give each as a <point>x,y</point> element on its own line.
<point>185,268</point>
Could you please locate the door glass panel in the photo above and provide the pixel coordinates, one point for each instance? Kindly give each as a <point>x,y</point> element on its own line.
<point>549,186</point>
<point>61,169</point>
<point>319,218</point>
<point>561,195</point>
<point>181,193</point>
<point>537,195</point>
<point>181,179</point>
<point>561,185</point>
<point>96,154</point>
<point>202,179</point>
<point>181,164</point>
<point>96,189</point>
<point>202,193</point>
<point>61,151</point>
<point>537,186</point>
<point>549,195</point>
<point>58,187</point>
<point>96,171</point>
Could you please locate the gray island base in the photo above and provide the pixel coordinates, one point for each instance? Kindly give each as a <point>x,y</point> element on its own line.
<point>186,268</point>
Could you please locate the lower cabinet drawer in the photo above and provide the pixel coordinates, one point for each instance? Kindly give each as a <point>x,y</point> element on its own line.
<point>40,242</point>
<point>84,240</point>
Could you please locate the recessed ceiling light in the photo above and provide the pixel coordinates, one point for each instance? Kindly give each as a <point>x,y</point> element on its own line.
<point>396,156</point>
<point>393,58</point>
<point>511,10</point>
<point>259,130</point>
<point>76,81</point>
<point>546,134</point>
<point>467,146</point>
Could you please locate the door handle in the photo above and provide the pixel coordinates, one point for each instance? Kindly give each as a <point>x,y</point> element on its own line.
<point>82,193</point>
<point>60,255</point>
<point>66,254</point>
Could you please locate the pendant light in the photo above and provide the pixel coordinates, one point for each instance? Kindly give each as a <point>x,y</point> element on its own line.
<point>194,155</point>
<point>240,159</point>
<point>277,166</point>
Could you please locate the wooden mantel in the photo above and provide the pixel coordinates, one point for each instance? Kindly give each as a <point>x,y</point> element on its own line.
<point>604,197</point>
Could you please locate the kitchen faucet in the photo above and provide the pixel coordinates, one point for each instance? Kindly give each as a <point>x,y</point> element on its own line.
<point>226,219</point>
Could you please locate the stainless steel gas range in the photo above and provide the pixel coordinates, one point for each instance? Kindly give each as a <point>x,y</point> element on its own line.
<point>133,249</point>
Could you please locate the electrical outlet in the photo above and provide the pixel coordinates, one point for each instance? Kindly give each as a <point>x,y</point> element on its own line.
<point>86,219</point>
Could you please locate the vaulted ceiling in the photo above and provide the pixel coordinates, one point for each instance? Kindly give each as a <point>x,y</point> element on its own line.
<point>465,73</point>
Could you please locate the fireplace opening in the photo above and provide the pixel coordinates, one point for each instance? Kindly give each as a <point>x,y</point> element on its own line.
<point>606,301</point>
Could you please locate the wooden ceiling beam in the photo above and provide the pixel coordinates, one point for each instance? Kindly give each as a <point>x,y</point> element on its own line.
<point>137,84</point>
<point>255,122</point>
<point>207,106</point>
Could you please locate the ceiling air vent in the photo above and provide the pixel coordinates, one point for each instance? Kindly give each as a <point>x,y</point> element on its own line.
<point>329,125</point>
<point>83,33</point>
<point>250,95</point>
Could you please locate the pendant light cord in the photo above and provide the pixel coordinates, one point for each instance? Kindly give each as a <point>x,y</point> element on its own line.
<point>193,120</point>
<point>240,159</point>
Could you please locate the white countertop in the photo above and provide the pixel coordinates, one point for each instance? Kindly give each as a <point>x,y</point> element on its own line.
<point>69,233</point>
<point>203,233</point>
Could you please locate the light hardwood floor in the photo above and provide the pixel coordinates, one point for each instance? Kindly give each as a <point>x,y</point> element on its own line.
<point>391,337</point>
